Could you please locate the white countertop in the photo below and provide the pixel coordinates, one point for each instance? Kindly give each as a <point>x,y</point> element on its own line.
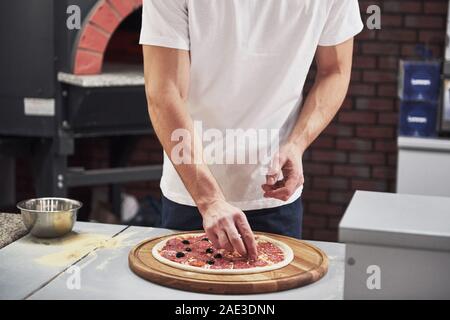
<point>435,144</point>
<point>397,220</point>
<point>104,271</point>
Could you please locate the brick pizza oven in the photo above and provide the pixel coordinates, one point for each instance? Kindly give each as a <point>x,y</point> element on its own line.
<point>59,85</point>
<point>103,19</point>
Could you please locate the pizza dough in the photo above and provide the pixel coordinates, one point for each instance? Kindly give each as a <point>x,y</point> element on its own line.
<point>194,252</point>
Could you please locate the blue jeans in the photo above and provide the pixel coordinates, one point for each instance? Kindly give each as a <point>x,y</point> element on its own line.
<point>285,220</point>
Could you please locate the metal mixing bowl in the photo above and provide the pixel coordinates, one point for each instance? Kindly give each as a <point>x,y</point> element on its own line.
<point>49,217</point>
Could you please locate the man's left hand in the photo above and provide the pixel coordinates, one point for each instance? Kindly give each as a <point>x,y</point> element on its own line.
<point>287,162</point>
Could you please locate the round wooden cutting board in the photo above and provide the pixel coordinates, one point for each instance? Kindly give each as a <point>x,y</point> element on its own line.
<point>309,265</point>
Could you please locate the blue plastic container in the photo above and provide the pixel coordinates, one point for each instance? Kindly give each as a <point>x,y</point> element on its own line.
<point>419,80</point>
<point>418,118</point>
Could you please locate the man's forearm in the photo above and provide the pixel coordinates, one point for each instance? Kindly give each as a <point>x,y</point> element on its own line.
<point>326,96</point>
<point>321,105</point>
<point>167,85</point>
<point>196,175</point>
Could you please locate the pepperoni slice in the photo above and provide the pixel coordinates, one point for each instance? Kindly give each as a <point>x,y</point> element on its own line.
<point>222,264</point>
<point>172,256</point>
<point>259,263</point>
<point>201,246</point>
<point>243,264</point>
<point>174,244</point>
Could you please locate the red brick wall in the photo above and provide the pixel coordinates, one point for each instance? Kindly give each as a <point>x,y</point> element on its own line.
<point>358,150</point>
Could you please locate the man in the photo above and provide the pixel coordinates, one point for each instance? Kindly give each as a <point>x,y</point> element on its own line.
<point>242,64</point>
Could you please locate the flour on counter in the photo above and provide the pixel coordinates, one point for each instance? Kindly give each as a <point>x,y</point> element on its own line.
<point>75,246</point>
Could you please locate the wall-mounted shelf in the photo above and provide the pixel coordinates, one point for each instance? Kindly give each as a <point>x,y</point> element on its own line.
<point>112,76</point>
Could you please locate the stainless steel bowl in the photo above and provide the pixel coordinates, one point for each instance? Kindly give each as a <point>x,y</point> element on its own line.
<point>49,217</point>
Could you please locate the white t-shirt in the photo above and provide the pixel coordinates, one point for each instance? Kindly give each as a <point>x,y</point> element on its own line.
<point>249,62</point>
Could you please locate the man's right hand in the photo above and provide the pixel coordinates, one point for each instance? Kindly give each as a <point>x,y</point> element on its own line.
<point>227,228</point>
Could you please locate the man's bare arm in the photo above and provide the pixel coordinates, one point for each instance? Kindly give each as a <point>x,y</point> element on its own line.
<point>166,74</point>
<point>167,84</point>
<point>334,65</point>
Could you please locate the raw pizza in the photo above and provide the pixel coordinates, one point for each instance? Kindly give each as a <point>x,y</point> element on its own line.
<point>195,252</point>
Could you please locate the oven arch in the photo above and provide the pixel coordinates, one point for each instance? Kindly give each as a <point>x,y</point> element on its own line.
<point>97,30</point>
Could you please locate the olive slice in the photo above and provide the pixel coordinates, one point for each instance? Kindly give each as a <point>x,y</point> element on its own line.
<point>210,262</point>
<point>188,249</point>
<point>185,242</point>
<point>218,256</point>
<point>179,255</point>
<point>205,239</point>
<point>209,250</point>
